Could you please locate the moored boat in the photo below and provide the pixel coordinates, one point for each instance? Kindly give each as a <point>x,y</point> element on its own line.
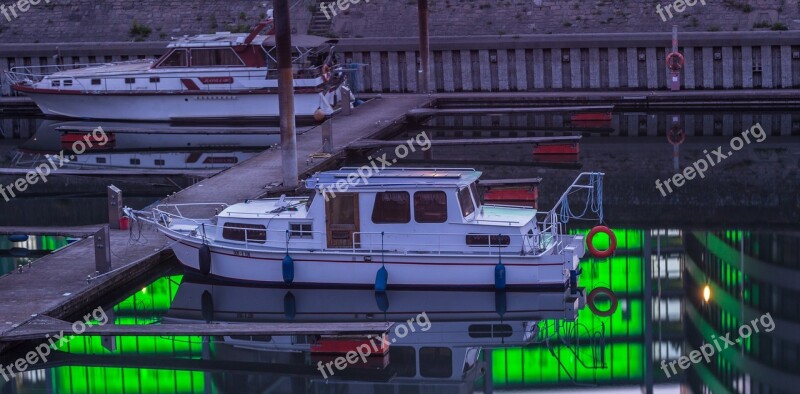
<point>208,76</point>
<point>400,227</point>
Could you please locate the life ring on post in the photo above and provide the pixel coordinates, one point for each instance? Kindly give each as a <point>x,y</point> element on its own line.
<point>590,300</point>
<point>325,73</point>
<point>672,64</point>
<point>612,242</point>
<point>676,135</point>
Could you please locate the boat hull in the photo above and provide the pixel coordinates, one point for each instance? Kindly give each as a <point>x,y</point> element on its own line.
<point>167,107</point>
<point>345,269</point>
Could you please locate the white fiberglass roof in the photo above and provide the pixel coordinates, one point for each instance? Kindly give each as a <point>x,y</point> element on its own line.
<point>395,177</point>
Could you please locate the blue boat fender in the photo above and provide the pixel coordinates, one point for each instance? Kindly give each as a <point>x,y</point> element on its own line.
<point>500,276</point>
<point>288,269</point>
<point>381,279</point>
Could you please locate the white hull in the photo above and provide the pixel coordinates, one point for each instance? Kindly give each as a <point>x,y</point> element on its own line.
<point>165,107</point>
<point>333,268</point>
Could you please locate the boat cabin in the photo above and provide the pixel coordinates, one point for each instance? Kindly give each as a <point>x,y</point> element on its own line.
<point>397,210</point>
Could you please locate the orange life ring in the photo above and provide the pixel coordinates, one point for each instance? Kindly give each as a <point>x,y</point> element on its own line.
<point>675,66</point>
<point>612,241</point>
<point>602,290</point>
<point>325,73</point>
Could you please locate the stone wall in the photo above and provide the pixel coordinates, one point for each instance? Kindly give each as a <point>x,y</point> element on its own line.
<point>117,20</point>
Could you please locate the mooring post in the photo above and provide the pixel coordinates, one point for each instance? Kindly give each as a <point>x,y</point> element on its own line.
<point>114,206</point>
<point>327,136</point>
<point>424,44</point>
<point>283,44</point>
<point>102,250</point>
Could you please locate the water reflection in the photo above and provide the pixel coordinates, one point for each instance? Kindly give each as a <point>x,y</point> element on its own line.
<point>21,250</point>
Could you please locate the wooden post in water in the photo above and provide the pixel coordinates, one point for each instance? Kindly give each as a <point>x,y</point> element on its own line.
<point>424,44</point>
<point>283,44</point>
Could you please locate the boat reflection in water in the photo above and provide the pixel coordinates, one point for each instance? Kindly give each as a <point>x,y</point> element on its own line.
<point>436,339</point>
<point>146,146</point>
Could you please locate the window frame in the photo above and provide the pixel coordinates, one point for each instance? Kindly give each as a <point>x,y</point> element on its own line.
<point>407,211</point>
<point>301,233</point>
<point>475,240</point>
<point>168,55</point>
<point>246,229</point>
<point>191,58</point>
<point>461,202</point>
<point>417,213</point>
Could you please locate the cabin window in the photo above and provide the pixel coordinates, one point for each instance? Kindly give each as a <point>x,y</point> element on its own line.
<point>300,230</point>
<point>487,240</point>
<point>215,58</point>
<point>490,331</point>
<point>404,360</point>
<point>55,83</point>
<point>68,82</point>
<point>175,59</point>
<point>100,160</point>
<point>136,162</point>
<point>155,79</point>
<point>430,207</point>
<point>392,207</point>
<point>467,207</point>
<point>435,362</point>
<point>244,232</point>
<point>96,81</point>
<point>130,80</point>
<point>474,188</point>
<point>160,162</point>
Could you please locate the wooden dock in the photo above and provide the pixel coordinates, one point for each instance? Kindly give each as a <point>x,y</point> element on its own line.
<point>56,285</point>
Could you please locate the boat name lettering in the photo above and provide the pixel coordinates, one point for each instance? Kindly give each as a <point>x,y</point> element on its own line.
<point>242,253</point>
<point>216,80</point>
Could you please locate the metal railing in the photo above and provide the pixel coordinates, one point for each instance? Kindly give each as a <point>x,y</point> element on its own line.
<point>30,75</point>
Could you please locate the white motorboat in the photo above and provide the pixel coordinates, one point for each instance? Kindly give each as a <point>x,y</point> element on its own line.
<point>401,227</point>
<point>208,76</point>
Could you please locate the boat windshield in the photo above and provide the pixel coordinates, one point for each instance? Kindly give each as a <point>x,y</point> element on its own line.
<point>464,199</point>
<point>475,195</point>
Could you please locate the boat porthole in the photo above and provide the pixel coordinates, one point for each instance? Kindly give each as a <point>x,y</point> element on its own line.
<point>590,301</point>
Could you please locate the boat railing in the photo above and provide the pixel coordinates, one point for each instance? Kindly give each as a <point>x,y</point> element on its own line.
<point>33,74</point>
<point>260,239</point>
<point>555,220</point>
<point>448,243</point>
<point>137,81</point>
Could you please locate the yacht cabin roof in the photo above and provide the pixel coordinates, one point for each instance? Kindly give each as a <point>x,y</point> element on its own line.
<point>395,177</point>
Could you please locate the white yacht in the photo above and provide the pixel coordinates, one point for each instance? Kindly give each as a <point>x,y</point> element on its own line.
<point>209,76</point>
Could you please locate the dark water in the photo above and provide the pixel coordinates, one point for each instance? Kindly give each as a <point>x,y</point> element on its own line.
<point>732,235</point>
